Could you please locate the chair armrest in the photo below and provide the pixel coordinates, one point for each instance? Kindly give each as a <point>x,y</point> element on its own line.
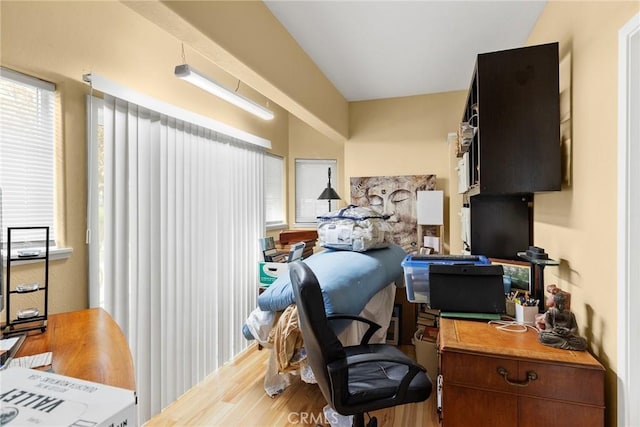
<point>373,326</point>
<point>340,366</point>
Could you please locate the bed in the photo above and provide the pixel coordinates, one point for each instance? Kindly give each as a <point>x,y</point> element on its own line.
<point>360,283</point>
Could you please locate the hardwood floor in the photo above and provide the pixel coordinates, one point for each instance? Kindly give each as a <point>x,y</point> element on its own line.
<point>234,396</point>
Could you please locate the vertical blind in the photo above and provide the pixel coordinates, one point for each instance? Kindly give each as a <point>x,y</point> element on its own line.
<point>274,190</point>
<point>27,148</point>
<point>182,214</point>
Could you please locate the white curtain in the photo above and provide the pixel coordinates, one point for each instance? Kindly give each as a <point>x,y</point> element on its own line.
<point>182,214</point>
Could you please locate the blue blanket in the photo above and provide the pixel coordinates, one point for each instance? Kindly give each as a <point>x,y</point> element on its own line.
<point>348,279</point>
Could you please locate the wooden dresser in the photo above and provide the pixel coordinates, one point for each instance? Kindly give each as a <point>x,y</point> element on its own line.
<point>498,378</point>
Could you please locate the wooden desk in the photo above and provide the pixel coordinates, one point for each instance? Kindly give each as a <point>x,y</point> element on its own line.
<point>498,378</point>
<point>86,344</point>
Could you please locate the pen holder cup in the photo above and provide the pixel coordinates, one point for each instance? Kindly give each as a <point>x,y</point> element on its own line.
<point>526,314</point>
<point>511,308</point>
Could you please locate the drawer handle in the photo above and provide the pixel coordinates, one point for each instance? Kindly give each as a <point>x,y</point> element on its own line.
<point>531,376</point>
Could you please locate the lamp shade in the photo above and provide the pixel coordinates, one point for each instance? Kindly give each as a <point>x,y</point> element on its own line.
<point>430,207</point>
<point>329,194</point>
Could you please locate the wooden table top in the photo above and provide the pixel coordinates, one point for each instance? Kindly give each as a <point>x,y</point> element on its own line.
<point>86,344</point>
<point>485,338</point>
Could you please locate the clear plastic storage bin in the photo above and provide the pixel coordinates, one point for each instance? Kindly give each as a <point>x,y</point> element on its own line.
<point>416,272</point>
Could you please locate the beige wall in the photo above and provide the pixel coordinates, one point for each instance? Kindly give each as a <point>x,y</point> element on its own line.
<point>405,136</point>
<point>246,40</point>
<point>307,143</point>
<point>60,41</point>
<point>578,225</point>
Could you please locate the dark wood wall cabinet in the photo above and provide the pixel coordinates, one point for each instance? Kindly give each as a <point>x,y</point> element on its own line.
<point>514,103</point>
<point>502,226</point>
<point>510,138</point>
<point>498,378</point>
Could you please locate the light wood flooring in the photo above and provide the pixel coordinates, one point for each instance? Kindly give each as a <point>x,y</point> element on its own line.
<point>234,396</point>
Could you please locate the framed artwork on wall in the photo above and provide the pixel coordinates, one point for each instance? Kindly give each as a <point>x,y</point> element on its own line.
<point>395,196</point>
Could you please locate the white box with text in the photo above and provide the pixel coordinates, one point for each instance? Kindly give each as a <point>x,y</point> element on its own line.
<point>29,397</point>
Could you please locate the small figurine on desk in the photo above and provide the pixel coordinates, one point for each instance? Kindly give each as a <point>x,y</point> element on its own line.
<point>558,327</point>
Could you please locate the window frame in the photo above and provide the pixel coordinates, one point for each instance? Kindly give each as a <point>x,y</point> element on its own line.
<point>306,192</point>
<point>45,115</point>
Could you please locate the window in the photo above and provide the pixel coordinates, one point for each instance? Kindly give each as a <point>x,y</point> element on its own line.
<point>274,191</point>
<point>311,179</point>
<point>27,155</point>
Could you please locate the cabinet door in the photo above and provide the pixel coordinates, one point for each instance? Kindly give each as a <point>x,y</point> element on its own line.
<point>535,412</point>
<point>519,120</point>
<point>464,406</point>
<point>500,225</point>
<point>581,385</point>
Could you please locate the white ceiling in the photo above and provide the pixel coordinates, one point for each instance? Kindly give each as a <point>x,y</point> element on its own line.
<point>385,49</point>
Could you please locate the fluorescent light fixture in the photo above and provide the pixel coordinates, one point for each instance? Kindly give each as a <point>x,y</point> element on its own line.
<point>194,77</point>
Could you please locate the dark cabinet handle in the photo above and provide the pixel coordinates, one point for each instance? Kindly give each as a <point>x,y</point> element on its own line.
<point>531,376</point>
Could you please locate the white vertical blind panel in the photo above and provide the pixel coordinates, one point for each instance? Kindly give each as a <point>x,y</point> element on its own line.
<point>183,214</point>
<point>274,190</point>
<point>27,143</point>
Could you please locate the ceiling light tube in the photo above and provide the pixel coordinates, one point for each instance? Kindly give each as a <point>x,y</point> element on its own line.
<point>194,77</point>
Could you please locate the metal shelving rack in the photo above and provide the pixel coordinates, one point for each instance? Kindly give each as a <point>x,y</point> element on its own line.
<point>19,325</point>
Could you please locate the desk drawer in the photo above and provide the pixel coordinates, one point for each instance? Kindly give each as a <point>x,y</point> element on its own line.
<point>476,371</point>
<point>552,381</point>
<point>564,382</point>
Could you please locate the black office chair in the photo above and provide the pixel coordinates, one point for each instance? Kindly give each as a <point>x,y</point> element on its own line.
<point>353,379</point>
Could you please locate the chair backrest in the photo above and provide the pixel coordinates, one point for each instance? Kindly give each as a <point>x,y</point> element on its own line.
<point>320,341</point>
